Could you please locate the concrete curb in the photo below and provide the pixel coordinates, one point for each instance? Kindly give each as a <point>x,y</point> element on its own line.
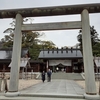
<point>51,95</point>
<point>12,94</point>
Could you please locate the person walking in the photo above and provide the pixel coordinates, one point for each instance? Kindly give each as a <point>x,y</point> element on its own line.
<point>43,76</point>
<point>49,75</point>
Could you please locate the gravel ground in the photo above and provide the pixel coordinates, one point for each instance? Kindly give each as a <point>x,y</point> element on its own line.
<point>82,83</point>
<point>25,83</point>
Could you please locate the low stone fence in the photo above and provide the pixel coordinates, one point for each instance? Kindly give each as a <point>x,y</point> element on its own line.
<point>6,76</point>
<point>97,76</point>
<point>3,85</point>
<point>25,75</point>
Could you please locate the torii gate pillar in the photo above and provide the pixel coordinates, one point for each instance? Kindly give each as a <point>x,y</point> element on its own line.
<point>90,86</point>
<point>14,75</point>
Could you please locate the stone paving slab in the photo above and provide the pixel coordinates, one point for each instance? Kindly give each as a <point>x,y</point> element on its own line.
<point>56,87</point>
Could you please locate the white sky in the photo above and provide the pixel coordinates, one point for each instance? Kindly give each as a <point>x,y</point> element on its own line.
<point>60,38</point>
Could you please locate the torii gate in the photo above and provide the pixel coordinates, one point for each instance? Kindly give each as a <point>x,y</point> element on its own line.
<point>84,24</point>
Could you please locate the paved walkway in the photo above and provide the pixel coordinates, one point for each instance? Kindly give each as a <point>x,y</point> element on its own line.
<point>61,87</point>
<point>55,87</point>
<point>54,90</point>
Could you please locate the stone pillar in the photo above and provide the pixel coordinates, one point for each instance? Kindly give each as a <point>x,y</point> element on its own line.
<point>53,68</point>
<point>47,66</point>
<point>16,55</point>
<point>23,74</point>
<point>90,86</point>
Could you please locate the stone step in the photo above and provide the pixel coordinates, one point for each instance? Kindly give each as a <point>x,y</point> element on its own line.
<point>68,76</point>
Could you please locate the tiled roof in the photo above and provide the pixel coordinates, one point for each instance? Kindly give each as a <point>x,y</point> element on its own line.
<point>7,53</point>
<point>60,53</point>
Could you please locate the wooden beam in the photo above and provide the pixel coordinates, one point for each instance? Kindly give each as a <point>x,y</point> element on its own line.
<point>52,26</point>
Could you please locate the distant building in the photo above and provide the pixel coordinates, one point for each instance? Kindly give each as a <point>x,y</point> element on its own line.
<point>6,56</point>
<point>26,64</point>
<point>69,60</point>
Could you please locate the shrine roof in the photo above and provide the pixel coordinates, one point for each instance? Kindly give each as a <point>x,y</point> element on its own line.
<point>7,53</point>
<point>60,54</point>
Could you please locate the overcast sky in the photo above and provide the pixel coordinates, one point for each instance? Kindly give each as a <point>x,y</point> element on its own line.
<point>60,38</point>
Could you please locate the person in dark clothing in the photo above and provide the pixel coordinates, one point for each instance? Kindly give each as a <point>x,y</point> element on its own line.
<point>43,76</point>
<point>49,75</point>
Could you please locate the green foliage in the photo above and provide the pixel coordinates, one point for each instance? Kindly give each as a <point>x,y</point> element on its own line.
<point>30,40</point>
<point>47,44</point>
<point>94,41</point>
<point>7,41</point>
<point>96,49</point>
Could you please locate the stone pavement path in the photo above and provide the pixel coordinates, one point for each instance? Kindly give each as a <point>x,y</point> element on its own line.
<point>54,90</point>
<point>55,87</point>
